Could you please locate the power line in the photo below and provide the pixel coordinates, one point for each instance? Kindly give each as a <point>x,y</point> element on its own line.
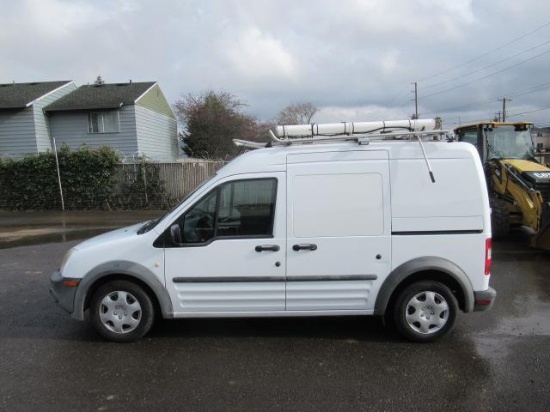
<point>530,111</point>
<point>487,76</point>
<point>403,90</point>
<point>529,90</point>
<point>486,67</point>
<point>516,93</point>
<point>478,119</point>
<point>485,54</point>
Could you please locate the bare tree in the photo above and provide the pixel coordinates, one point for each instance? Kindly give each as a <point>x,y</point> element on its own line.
<point>300,113</point>
<point>211,121</point>
<point>263,128</point>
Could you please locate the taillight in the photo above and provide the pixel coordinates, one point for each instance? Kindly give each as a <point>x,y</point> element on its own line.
<point>488,255</point>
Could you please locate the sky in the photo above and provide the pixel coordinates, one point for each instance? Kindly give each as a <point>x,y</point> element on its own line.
<point>356,60</point>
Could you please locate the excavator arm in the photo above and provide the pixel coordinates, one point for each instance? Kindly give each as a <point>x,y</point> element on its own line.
<point>535,212</point>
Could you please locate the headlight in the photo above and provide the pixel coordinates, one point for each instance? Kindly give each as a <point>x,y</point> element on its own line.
<point>65,260</point>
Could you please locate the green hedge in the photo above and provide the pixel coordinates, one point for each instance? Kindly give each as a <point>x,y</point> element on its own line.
<point>87,177</point>
<point>141,189</point>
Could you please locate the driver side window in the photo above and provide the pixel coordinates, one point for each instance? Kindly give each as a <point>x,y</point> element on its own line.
<point>198,222</point>
<point>236,209</point>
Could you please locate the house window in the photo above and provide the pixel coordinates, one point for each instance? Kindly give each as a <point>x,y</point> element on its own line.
<point>103,122</point>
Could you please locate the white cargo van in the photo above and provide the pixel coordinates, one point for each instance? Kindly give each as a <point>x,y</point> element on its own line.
<point>330,220</point>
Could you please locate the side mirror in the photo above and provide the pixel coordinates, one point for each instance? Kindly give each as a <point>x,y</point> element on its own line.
<point>175,235</point>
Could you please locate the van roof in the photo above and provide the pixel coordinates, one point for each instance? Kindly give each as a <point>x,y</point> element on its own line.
<point>274,158</point>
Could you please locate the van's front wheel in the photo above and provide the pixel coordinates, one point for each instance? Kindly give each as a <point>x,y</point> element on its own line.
<point>425,311</point>
<point>121,311</point>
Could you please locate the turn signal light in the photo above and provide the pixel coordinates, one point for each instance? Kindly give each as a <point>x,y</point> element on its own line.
<point>71,283</point>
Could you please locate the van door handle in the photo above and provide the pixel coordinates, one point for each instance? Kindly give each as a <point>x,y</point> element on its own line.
<point>270,248</point>
<point>304,246</point>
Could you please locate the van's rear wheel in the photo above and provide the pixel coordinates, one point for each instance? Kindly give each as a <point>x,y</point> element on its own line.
<point>500,219</point>
<point>121,311</point>
<point>425,311</point>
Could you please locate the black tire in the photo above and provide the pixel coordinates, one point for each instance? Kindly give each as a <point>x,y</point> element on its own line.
<point>500,219</point>
<point>425,311</point>
<point>122,311</point>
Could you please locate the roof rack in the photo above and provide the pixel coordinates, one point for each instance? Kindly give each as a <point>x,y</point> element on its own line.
<point>314,130</point>
<point>360,132</point>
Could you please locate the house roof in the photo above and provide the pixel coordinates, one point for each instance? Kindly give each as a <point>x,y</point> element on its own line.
<point>97,97</point>
<point>21,95</point>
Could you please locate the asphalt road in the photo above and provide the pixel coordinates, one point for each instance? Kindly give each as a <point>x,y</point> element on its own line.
<point>494,361</point>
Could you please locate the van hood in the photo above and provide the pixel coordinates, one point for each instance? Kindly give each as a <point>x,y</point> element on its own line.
<point>112,236</point>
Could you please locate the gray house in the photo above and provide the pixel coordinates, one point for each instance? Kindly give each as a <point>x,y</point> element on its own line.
<point>24,128</point>
<point>541,138</point>
<point>133,118</point>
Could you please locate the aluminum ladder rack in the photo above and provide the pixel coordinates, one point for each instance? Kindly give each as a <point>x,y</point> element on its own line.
<point>360,132</point>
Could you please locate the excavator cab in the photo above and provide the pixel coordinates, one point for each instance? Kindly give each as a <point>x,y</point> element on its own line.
<point>497,140</point>
<point>519,186</point>
<point>510,142</point>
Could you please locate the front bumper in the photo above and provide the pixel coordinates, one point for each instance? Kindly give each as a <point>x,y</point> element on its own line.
<point>483,300</point>
<point>61,293</point>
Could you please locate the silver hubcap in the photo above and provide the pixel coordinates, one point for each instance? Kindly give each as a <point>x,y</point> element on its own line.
<point>120,312</point>
<point>427,312</point>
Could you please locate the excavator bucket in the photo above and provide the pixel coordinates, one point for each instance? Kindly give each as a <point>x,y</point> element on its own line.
<point>542,239</point>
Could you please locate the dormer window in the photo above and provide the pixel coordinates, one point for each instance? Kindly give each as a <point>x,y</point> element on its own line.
<point>103,122</point>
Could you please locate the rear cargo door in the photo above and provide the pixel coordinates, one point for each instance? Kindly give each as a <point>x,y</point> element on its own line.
<point>338,228</point>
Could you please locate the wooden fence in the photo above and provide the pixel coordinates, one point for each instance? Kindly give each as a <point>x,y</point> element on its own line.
<point>159,185</point>
<point>138,186</point>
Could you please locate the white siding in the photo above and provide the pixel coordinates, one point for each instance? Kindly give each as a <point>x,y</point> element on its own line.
<point>72,128</point>
<point>157,135</point>
<point>17,133</point>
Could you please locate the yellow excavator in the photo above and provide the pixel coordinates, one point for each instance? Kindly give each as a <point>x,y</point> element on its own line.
<point>519,185</point>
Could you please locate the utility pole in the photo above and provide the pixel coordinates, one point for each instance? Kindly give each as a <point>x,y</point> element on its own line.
<point>415,100</point>
<point>54,147</point>
<point>504,100</point>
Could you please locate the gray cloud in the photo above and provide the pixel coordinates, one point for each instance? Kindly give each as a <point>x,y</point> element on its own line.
<point>356,59</point>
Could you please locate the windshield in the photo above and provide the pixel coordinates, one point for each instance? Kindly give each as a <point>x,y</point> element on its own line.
<point>509,142</point>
